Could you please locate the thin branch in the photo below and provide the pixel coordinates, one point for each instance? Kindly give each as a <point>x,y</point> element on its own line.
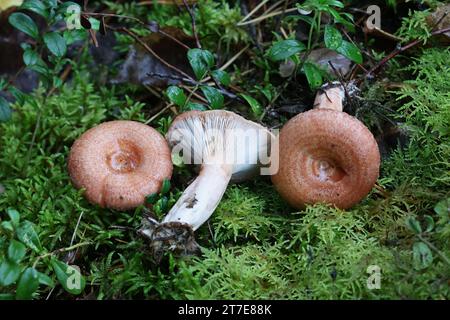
<point>194,28</point>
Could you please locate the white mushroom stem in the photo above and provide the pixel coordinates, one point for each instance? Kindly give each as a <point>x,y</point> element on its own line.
<point>200,199</point>
<point>330,98</point>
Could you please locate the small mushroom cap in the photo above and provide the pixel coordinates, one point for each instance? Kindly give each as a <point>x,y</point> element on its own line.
<point>326,156</point>
<point>221,137</point>
<point>119,163</point>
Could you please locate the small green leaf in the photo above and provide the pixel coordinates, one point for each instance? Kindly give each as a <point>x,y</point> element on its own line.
<point>45,279</point>
<point>430,223</point>
<point>24,23</point>
<point>222,77</point>
<point>5,110</point>
<point>332,37</point>
<point>313,75</point>
<point>35,6</point>
<point>14,216</point>
<point>163,203</point>
<point>254,104</point>
<point>151,199</point>
<point>413,225</point>
<point>349,50</point>
<point>7,225</point>
<point>422,256</point>
<point>165,186</point>
<point>55,43</point>
<point>284,49</point>
<point>176,96</point>
<point>16,250</point>
<point>195,106</point>
<point>201,61</point>
<point>28,284</point>
<point>214,97</point>
<point>26,233</point>
<point>68,276</point>
<point>9,272</point>
<point>30,57</point>
<point>443,209</point>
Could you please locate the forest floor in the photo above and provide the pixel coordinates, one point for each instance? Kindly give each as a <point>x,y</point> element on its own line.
<point>272,59</point>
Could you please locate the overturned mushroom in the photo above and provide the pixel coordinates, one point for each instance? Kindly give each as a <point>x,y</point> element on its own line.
<point>119,163</point>
<point>228,148</point>
<point>326,155</point>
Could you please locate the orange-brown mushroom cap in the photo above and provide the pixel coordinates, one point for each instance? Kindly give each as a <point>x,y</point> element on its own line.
<point>326,156</point>
<point>119,163</point>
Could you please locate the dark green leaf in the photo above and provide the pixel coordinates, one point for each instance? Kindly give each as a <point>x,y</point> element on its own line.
<point>26,233</point>
<point>68,276</point>
<point>201,61</point>
<point>24,23</point>
<point>165,186</point>
<point>30,57</point>
<point>176,95</point>
<point>9,272</point>
<point>16,250</point>
<point>28,284</point>
<point>284,49</point>
<point>413,225</point>
<point>214,97</point>
<point>254,104</point>
<point>55,43</point>
<point>313,75</point>
<point>443,209</point>
<point>45,280</point>
<point>430,223</point>
<point>222,77</point>
<point>36,6</point>
<point>151,199</point>
<point>333,38</point>
<point>7,225</point>
<point>349,50</point>
<point>6,296</point>
<point>422,256</point>
<point>195,106</point>
<point>5,110</point>
<point>14,216</point>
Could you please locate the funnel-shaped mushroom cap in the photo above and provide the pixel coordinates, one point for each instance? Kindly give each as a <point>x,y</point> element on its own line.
<point>119,163</point>
<point>221,137</point>
<point>326,156</point>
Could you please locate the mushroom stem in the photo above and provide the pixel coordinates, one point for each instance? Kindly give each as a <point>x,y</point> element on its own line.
<point>200,199</point>
<point>330,96</point>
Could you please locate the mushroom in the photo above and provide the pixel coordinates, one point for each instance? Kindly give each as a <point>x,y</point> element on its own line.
<point>228,148</point>
<point>119,163</point>
<point>326,155</point>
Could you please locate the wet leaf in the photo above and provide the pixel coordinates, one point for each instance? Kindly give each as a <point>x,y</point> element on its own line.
<point>28,284</point>
<point>35,6</point>
<point>176,96</point>
<point>201,62</point>
<point>5,110</point>
<point>313,75</point>
<point>141,67</point>
<point>68,276</point>
<point>9,272</point>
<point>284,49</point>
<point>350,51</point>
<point>16,251</point>
<point>254,104</point>
<point>214,97</point>
<point>55,43</point>
<point>332,37</point>
<point>24,23</point>
<point>222,77</point>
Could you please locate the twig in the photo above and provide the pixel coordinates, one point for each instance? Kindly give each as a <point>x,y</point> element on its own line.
<point>151,51</point>
<point>398,51</point>
<point>194,29</point>
<point>263,17</point>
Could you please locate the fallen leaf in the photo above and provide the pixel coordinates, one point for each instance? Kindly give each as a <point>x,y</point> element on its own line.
<point>440,19</point>
<point>324,56</point>
<point>141,67</point>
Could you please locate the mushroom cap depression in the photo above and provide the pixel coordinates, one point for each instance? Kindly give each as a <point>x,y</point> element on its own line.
<point>326,156</point>
<point>221,137</point>
<point>119,163</point>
